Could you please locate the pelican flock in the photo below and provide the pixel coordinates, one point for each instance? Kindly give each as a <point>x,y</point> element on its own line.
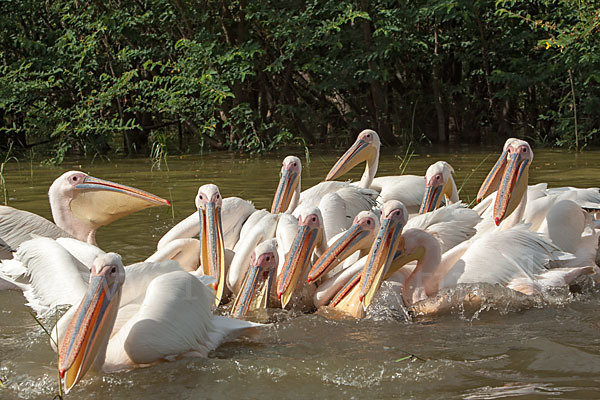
<point>330,246</point>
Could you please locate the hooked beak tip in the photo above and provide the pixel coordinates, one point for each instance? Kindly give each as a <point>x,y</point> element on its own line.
<point>278,296</point>
<point>497,221</point>
<point>308,280</point>
<point>62,373</point>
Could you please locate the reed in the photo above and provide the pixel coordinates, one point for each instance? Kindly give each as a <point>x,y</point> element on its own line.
<point>410,357</point>
<point>7,158</point>
<point>464,182</point>
<point>409,153</point>
<point>159,152</point>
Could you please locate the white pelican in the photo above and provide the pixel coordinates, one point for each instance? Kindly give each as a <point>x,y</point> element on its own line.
<point>409,189</point>
<point>295,268</point>
<point>288,196</point>
<point>562,221</point>
<point>256,290</point>
<point>209,250</point>
<point>438,181</point>
<point>171,318</point>
<point>80,205</point>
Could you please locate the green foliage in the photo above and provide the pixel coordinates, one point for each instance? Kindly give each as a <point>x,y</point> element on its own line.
<point>91,77</point>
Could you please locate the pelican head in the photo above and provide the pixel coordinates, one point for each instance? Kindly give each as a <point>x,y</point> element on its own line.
<point>359,236</point>
<point>383,250</point>
<point>365,148</point>
<point>289,184</point>
<point>81,203</point>
<point>491,182</point>
<point>438,181</point>
<point>84,343</point>
<point>513,185</point>
<point>258,281</point>
<point>212,250</point>
<point>309,236</point>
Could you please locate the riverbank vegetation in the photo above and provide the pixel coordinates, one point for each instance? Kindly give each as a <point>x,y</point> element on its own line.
<point>102,77</point>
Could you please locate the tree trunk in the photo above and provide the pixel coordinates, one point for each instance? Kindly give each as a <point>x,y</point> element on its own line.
<point>377,90</point>
<point>437,95</point>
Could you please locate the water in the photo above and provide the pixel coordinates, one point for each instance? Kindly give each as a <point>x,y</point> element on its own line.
<point>548,350</point>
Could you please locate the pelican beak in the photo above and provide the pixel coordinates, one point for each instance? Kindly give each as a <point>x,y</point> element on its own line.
<point>354,239</point>
<point>380,257</point>
<point>433,195</point>
<point>298,258</point>
<point>285,191</point>
<point>512,186</point>
<point>360,151</point>
<point>346,290</point>
<point>256,287</point>
<point>90,328</point>
<point>491,182</point>
<point>212,248</point>
<point>101,202</point>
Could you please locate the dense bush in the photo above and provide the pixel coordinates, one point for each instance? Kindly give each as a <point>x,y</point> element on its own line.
<point>98,76</point>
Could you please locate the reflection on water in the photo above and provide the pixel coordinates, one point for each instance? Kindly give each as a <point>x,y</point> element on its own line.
<point>547,348</point>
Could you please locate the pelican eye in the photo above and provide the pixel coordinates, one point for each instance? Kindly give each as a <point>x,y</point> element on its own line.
<point>268,259</point>
<point>113,270</point>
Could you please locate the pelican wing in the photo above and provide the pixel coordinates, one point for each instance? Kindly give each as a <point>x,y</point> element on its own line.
<point>499,257</point>
<point>185,251</point>
<point>174,320</point>
<point>16,226</point>
<point>53,276</point>
<point>409,189</point>
<point>450,225</point>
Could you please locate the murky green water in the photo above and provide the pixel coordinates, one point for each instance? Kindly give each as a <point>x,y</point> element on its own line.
<point>545,352</point>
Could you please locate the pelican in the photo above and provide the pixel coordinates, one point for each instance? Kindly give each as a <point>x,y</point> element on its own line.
<point>288,196</point>
<point>409,189</point>
<point>264,248</point>
<point>561,220</point>
<point>80,205</point>
<point>295,269</point>
<point>209,250</point>
<point>257,286</point>
<point>171,318</point>
<point>438,181</point>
